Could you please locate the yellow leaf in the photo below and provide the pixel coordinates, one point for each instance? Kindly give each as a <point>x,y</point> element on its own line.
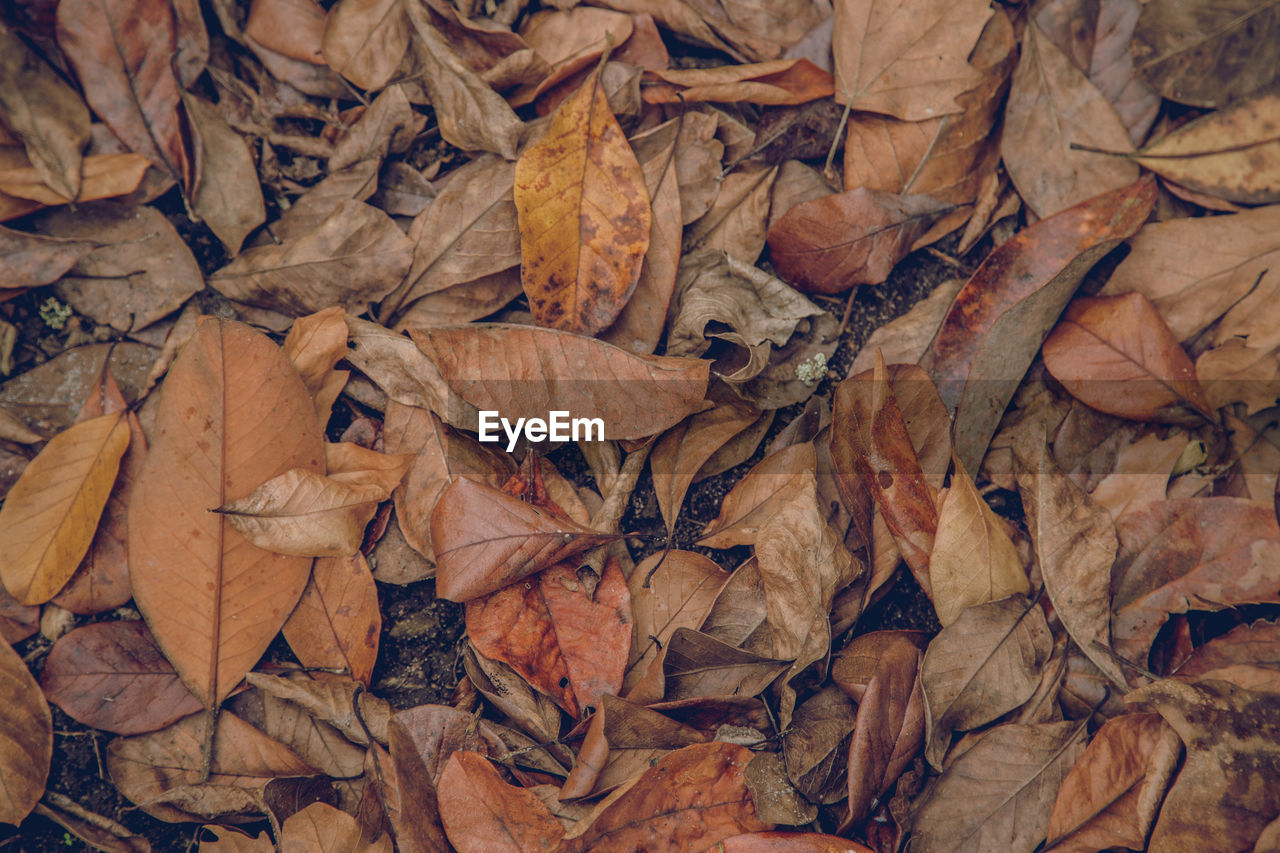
<point>51,513</point>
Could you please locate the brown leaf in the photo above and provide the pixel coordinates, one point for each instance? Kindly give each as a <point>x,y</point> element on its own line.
<point>789,842</point>
<point>905,61</point>
<point>45,113</point>
<point>569,41</point>
<point>1254,646</point>
<point>112,676</point>
<point>50,515</point>
<point>569,644</point>
<point>1206,53</point>
<point>998,794</point>
<point>1143,468</point>
<point>481,812</point>
<point>1115,354</point>
<point>1203,554</point>
<point>774,482</point>
<point>1111,797</point>
<point>232,841</point>
<point>29,260</point>
<point>1231,154</point>
<point>832,243</point>
<point>817,745</point>
<point>681,451</point>
<point>230,201</point>
<point>299,728</point>
<point>736,220</point>
<point>1052,106</point>
<point>982,665</point>
<point>389,125</point>
<point>233,412</point>
<point>364,40</point>
<point>321,828</point>
<point>402,372</point>
<point>291,28</point>
<point>522,371</point>
<point>26,738</point>
<point>486,539</point>
<point>690,800</point>
<point>340,701</point>
<point>356,256</point>
<point>127,75</point>
<point>1003,313</point>
<point>973,559</point>
<point>144,271</point>
<point>315,344</point>
<point>697,664</point>
<point>778,83</point>
<point>337,621</point>
<point>1226,792</point>
<point>471,115</point>
<point>584,216</point>
<point>1075,542</point>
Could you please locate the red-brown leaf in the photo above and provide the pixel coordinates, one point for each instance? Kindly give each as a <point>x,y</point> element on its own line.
<point>484,814</point>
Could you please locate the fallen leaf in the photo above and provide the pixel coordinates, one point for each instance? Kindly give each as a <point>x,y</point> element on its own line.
<point>46,114</point>
<point>232,412</point>
<point>682,450</point>
<point>128,78</point>
<point>389,125</point>
<point>584,216</point>
<point>1205,53</point>
<point>522,371</point>
<point>231,200</point>
<point>835,242</point>
<point>904,339</point>
<point>907,62</point>
<point>337,622</point>
<point>998,794</point>
<point>973,559</point>
<point>774,482</point>
<point>486,539</point>
<point>315,344</point>
<point>736,220</point>
<point>50,515</point>
<point>356,256</point>
<point>1052,107</point>
<point>402,371</point>
<point>481,812</point>
<point>1142,472</point>
<point>569,41</point>
<point>321,828</point>
<point>1230,154</point>
<point>697,665</point>
<point>30,260</point>
<point>780,82</point>
<point>787,842</point>
<point>231,841</point>
<point>299,728</point>
<point>364,40</point>
<point>1111,797</point>
<point>1202,554</point>
<point>1226,792</point>
<point>979,667</point>
<point>1003,313</point>
<point>291,28</point>
<point>341,702</point>
<point>26,738</point>
<point>50,395</point>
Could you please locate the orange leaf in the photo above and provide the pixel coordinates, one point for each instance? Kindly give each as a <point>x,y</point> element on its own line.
<point>233,412</point>
<point>26,738</point>
<point>337,621</point>
<point>584,216</point>
<point>50,515</point>
<point>321,828</point>
<point>787,842</point>
<point>483,814</point>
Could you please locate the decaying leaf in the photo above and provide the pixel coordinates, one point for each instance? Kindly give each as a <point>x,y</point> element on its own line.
<point>482,812</point>
<point>775,481</point>
<point>364,40</point>
<point>26,738</point>
<point>680,453</point>
<point>337,621</point>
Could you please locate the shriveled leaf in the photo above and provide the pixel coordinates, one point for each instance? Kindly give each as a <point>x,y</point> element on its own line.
<point>1202,554</point>
<point>315,344</point>
<point>998,795</point>
<point>127,74</point>
<point>905,61</point>
<point>486,539</point>
<point>771,484</point>
<point>300,729</point>
<point>1231,154</point>
<point>584,216</point>
<point>342,702</point>
<point>364,40</point>
<point>112,676</point>
<point>337,621</point>
<point>1053,106</point>
<point>523,371</point>
<point>230,201</point>
<point>835,242</point>
<point>736,220</point>
<point>681,451</point>
<point>1115,354</point>
<point>1003,313</point>
<point>982,665</point>
<point>780,82</point>
<point>817,745</point>
<point>697,665</point>
<point>356,256</point>
<point>403,372</point>
<point>973,559</point>
<point>1110,798</point>
<point>50,515</point>
<point>1207,53</point>
<point>1228,789</point>
<point>1075,542</point>
<point>232,412</point>
<point>1142,472</point>
<point>691,799</point>
<point>481,812</point>
<point>321,828</point>
<point>26,739</point>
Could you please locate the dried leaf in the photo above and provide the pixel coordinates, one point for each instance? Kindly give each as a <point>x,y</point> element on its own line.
<point>356,256</point>
<point>780,82</point>
<point>364,40</point>
<point>127,75</point>
<point>736,221</point>
<point>584,216</point>
<point>321,828</point>
<point>698,665</point>
<point>982,665</point>
<point>998,795</point>
<point>1003,313</point>
<point>112,676</point>
<point>789,842</point>
<point>50,515</point>
<point>775,481</point>
<point>337,622</point>
<point>233,411</point>
<point>523,371</point>
<point>29,260</point>
<point>230,201</point>
<point>481,812</point>
<point>908,62</point>
<point>1053,106</point>
<point>681,451</point>
<point>26,738</point>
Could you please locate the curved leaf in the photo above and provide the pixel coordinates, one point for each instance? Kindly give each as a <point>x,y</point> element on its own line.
<point>483,814</point>
<point>337,621</point>
<point>26,738</point>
